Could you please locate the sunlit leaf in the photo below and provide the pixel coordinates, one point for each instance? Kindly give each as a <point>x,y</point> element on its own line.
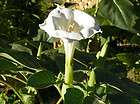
<point>103,50</point>
<point>119,13</point>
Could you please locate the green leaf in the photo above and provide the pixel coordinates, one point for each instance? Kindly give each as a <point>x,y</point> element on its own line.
<point>21,58</point>
<point>6,65</point>
<point>21,48</point>
<point>125,85</point>
<point>103,50</point>
<point>119,13</point>
<point>55,60</point>
<point>83,59</point>
<point>73,96</point>
<point>42,79</point>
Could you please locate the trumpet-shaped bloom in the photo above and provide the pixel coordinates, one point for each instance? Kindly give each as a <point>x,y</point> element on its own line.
<point>69,24</point>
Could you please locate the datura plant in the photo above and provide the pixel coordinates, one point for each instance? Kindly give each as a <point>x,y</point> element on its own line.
<point>70,26</point>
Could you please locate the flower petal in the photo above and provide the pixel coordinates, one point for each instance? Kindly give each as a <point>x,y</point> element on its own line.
<point>66,35</point>
<point>60,34</point>
<point>88,32</point>
<point>74,36</point>
<point>87,22</point>
<point>69,24</point>
<point>68,14</point>
<point>60,23</point>
<point>49,26</point>
<point>83,19</point>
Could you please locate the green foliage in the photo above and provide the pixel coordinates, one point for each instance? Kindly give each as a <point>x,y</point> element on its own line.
<point>42,79</point>
<point>18,20</point>
<point>119,13</point>
<point>73,95</point>
<point>101,63</point>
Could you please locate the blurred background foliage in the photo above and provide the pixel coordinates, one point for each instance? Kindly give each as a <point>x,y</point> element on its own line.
<point>30,66</point>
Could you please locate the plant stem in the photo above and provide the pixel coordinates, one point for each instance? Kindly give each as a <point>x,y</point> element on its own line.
<point>96,7</point>
<point>68,72</point>
<point>59,101</point>
<point>69,53</point>
<point>39,51</point>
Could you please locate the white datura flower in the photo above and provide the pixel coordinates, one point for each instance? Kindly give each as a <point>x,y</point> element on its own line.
<point>69,24</point>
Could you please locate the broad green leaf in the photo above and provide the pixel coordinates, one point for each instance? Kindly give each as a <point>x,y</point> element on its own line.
<point>73,96</point>
<point>82,59</point>
<point>21,58</point>
<point>54,60</point>
<point>124,85</point>
<point>6,65</point>
<point>42,79</point>
<point>119,13</point>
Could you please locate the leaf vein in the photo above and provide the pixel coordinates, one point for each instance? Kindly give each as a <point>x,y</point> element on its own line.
<point>121,11</point>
